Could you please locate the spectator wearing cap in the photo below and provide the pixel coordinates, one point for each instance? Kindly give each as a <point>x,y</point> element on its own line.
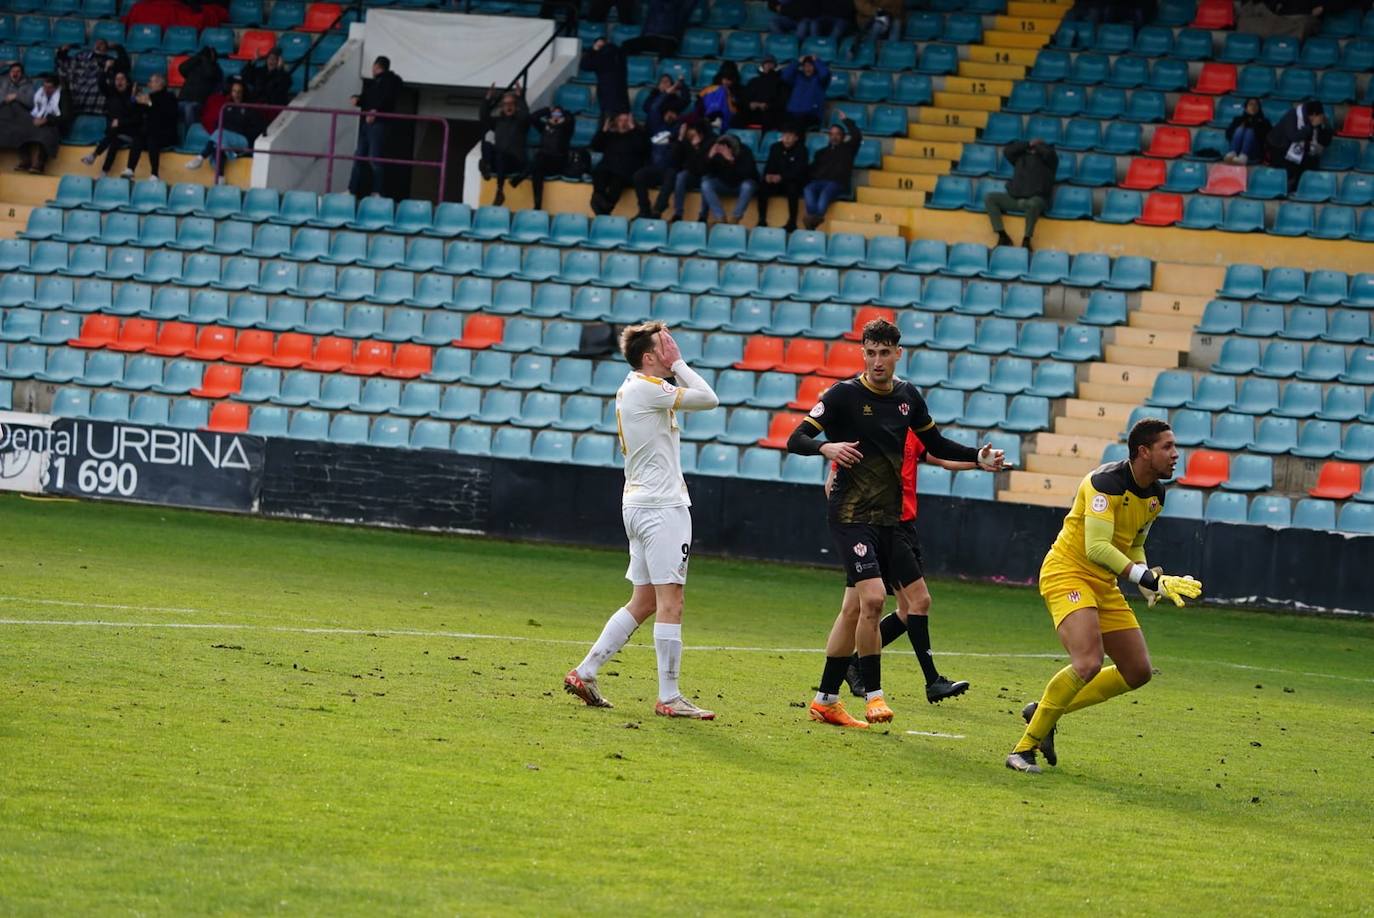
<point>765,96</point>
<point>555,129</point>
<point>807,79</point>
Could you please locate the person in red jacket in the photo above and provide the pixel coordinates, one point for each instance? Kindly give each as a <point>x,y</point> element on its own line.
<point>907,580</point>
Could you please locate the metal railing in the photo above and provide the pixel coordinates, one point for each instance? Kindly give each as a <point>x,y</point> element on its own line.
<point>330,155</point>
<point>360,12</point>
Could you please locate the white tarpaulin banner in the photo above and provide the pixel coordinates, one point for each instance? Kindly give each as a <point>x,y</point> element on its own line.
<point>451,49</point>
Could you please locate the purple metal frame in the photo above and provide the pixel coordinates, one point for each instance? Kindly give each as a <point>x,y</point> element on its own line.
<point>330,155</point>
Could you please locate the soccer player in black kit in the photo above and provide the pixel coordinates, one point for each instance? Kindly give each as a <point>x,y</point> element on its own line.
<point>865,421</point>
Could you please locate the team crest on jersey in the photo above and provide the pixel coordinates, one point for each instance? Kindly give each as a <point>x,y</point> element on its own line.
<point>860,549</point>
<point>904,408</point>
<point>868,409</point>
<point>668,387</point>
<point>1099,503</point>
<point>1154,504</point>
<point>818,410</point>
<point>1075,596</point>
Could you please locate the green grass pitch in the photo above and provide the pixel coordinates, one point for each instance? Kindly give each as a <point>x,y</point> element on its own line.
<point>210,714</point>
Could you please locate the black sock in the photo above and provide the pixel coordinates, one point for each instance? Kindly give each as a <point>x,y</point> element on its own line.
<point>891,628</point>
<point>918,627</point>
<point>833,674</point>
<point>872,669</point>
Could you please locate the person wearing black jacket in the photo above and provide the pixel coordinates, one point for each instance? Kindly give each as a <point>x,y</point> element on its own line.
<point>123,120</point>
<point>1033,166</point>
<point>203,76</point>
<point>785,174</point>
<point>664,23</point>
<point>730,169</point>
<point>765,96</point>
<point>235,119</point>
<point>608,62</point>
<point>624,148</point>
<point>506,117</point>
<point>832,170</point>
<point>159,125</point>
<point>555,137</point>
<point>664,108</point>
<point>689,164</point>
<point>1297,141</point>
<point>267,81</point>
<point>380,94</point>
<point>1247,133</point>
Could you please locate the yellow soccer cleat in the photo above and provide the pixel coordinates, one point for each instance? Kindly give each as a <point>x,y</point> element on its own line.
<point>877,711</point>
<point>835,714</point>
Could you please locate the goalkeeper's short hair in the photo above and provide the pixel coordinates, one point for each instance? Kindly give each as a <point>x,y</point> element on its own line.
<point>1145,432</point>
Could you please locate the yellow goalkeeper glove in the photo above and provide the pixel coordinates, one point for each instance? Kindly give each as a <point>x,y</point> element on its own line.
<point>1155,584</point>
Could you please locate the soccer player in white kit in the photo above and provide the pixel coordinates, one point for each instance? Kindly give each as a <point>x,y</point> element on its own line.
<point>655,508</point>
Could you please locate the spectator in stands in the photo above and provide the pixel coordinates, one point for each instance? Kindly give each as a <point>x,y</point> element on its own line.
<point>1034,165</point>
<point>1297,141</point>
<point>123,121</point>
<point>506,118</point>
<point>555,137</point>
<point>624,149</point>
<point>267,81</point>
<point>832,170</point>
<point>791,16</point>
<point>203,76</point>
<point>380,95</point>
<point>875,20</point>
<point>664,23</point>
<point>16,100</point>
<point>665,106</point>
<point>808,79</point>
<point>236,120</point>
<point>1247,133</point>
<point>718,103</point>
<point>82,72</point>
<point>785,173</point>
<point>765,96</point>
<point>47,120</point>
<point>1275,18</point>
<point>159,124</point>
<point>689,162</point>
<point>607,60</point>
<point>730,170</point>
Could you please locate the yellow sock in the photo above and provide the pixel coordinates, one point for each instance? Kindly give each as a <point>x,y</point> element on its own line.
<point>1059,693</point>
<point>1106,684</point>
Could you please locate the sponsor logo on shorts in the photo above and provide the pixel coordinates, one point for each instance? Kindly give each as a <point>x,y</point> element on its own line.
<point>1099,503</point>
<point>818,410</point>
<point>1075,596</point>
<point>861,568</point>
<point>860,549</point>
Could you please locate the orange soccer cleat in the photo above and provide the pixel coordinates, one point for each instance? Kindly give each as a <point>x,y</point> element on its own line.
<point>835,714</point>
<point>585,689</point>
<point>877,711</point>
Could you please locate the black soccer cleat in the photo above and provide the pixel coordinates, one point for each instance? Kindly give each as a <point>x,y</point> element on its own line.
<point>1023,762</point>
<point>943,688</point>
<point>1046,744</point>
<point>855,678</point>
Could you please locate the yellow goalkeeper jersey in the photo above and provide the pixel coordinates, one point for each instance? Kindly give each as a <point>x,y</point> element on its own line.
<point>1108,494</point>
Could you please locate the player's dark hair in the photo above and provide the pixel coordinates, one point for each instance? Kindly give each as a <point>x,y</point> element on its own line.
<point>638,340</point>
<point>881,331</point>
<point>1145,432</point>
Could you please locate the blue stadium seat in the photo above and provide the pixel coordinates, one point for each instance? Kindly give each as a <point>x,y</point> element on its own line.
<point>1226,508</point>
<point>1121,206</point>
<point>1312,513</point>
<point>1095,170</point>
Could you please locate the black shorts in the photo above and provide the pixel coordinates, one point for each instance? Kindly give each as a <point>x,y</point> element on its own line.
<point>865,549</point>
<point>907,565</point>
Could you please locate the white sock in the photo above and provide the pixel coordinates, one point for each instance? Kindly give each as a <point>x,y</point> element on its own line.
<point>668,643</point>
<point>871,695</point>
<point>825,698</point>
<point>618,629</point>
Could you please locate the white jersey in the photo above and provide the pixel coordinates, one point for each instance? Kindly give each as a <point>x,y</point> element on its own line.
<point>646,414</point>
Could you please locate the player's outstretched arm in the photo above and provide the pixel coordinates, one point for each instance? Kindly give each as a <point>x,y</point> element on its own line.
<point>941,447</point>
<point>1154,584</point>
<point>803,442</point>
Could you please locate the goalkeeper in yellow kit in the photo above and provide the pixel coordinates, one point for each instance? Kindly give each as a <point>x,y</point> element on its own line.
<point>1103,538</point>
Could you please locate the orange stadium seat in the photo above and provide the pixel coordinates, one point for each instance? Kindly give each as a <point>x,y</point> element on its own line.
<point>228,417</point>
<point>1225,180</point>
<point>371,359</point>
<point>845,359</point>
<point>761,354</point>
<point>1216,79</point>
<point>1144,174</point>
<point>136,335</point>
<point>480,332</point>
<point>254,44</point>
<point>213,343</point>
<point>293,349</point>
<point>1337,480</point>
<point>1162,210</point>
<point>864,316</point>
<point>780,428</point>
<point>97,331</point>
<point>253,346</point>
<point>411,362</point>
<point>810,392</point>
<point>803,356</point>
<point>332,354</point>
<point>174,339</point>
<point>1206,469</point>
<point>219,380</point>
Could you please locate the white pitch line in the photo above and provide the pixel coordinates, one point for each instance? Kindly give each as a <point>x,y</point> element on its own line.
<point>936,735</point>
<point>474,636</point>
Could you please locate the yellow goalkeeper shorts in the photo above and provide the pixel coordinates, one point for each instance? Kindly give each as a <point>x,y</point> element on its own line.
<point>1067,591</point>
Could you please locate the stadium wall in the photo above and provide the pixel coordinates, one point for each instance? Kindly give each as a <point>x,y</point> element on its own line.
<point>1255,566</point>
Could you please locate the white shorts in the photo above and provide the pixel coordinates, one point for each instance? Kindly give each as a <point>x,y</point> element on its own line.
<point>660,542</point>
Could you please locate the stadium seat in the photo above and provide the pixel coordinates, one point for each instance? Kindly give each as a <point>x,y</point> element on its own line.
<point>1312,513</point>
<point>1206,469</point>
